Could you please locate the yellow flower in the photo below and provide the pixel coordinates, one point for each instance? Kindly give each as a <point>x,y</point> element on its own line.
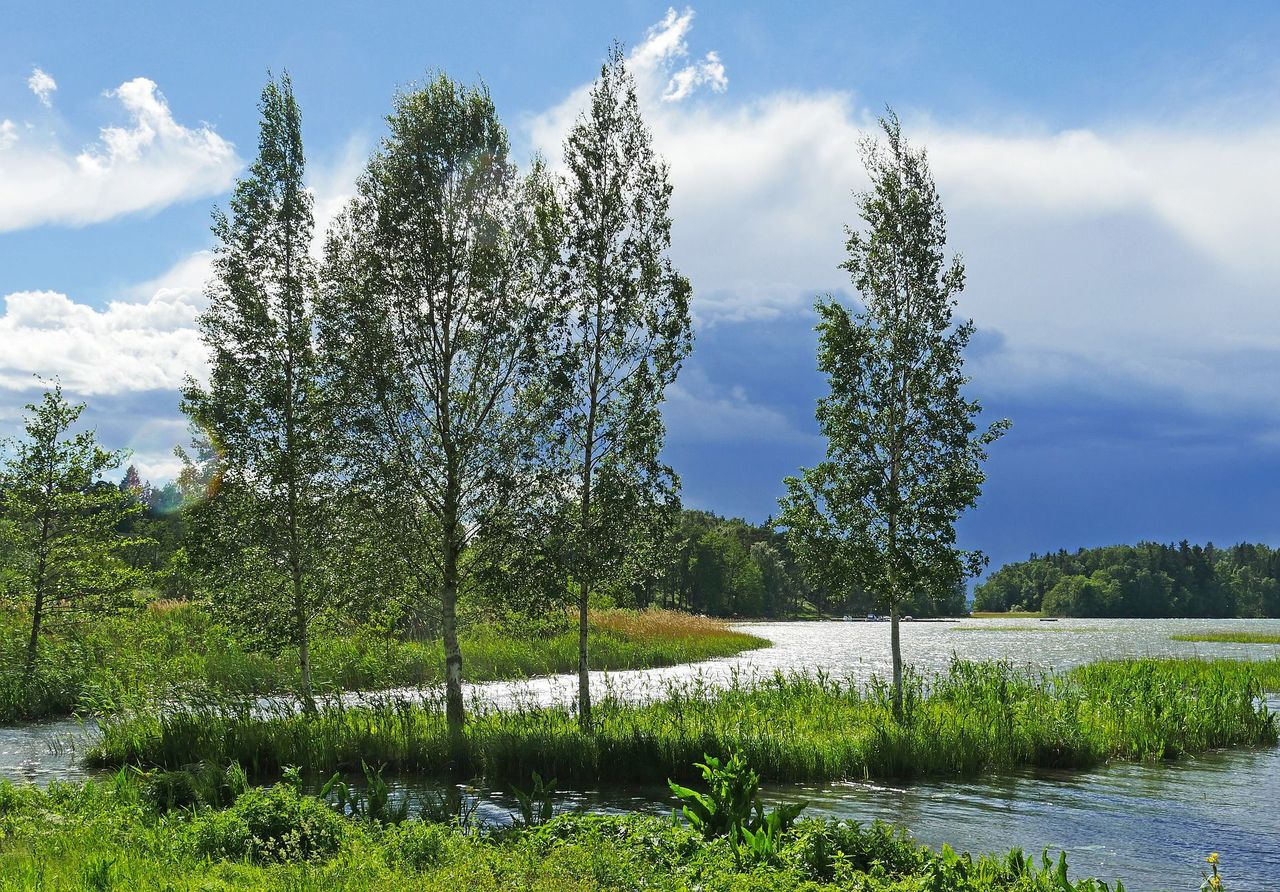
<point>1213,858</point>
<point>1215,881</point>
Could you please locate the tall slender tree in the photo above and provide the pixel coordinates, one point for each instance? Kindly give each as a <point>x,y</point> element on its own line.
<point>62,520</point>
<point>266,526</point>
<point>904,457</point>
<point>628,332</point>
<point>434,325</point>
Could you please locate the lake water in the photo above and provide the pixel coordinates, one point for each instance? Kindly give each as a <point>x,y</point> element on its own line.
<point>1149,825</point>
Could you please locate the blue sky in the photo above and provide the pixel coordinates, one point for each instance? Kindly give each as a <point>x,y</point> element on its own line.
<point>1111,173</point>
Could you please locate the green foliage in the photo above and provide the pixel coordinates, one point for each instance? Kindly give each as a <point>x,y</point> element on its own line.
<point>625,332</point>
<point>83,836</point>
<point>731,808</point>
<point>537,804</point>
<point>904,458</point>
<point>1147,579</point>
<point>370,803</point>
<point>61,552</point>
<point>176,650</point>
<point>277,824</point>
<point>976,717</point>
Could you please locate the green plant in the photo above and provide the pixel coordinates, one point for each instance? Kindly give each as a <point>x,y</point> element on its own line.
<point>268,825</point>
<point>537,806</point>
<point>373,803</point>
<point>731,808</point>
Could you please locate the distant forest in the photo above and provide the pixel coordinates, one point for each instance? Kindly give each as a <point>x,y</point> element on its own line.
<point>1149,579</point>
<point>715,565</point>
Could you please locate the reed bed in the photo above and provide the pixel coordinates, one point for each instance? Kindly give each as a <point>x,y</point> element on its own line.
<point>976,717</point>
<point>177,651</point>
<point>1230,637</point>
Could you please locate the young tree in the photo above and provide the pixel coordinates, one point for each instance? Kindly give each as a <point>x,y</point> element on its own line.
<point>265,528</point>
<point>62,519</point>
<point>434,323</point>
<point>629,330</point>
<point>903,456</point>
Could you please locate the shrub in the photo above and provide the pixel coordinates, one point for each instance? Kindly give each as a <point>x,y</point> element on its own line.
<point>416,845</point>
<point>273,824</point>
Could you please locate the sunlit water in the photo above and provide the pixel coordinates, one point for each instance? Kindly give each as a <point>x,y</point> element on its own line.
<point>1150,825</point>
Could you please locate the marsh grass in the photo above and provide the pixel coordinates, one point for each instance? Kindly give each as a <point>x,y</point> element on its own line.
<point>973,718</point>
<point>1010,614</point>
<point>176,651</point>
<point>1230,637</point>
<point>101,835</point>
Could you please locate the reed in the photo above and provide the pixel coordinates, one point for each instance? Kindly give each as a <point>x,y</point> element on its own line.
<point>177,651</point>
<point>1230,637</point>
<point>975,717</point>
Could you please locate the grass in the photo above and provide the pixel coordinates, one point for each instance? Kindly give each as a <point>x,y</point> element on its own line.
<point>975,717</point>
<point>178,651</point>
<point>102,836</point>
<point>1230,637</point>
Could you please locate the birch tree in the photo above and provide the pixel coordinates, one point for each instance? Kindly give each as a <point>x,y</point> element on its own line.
<point>628,332</point>
<point>267,525</point>
<point>904,454</point>
<point>435,329</point>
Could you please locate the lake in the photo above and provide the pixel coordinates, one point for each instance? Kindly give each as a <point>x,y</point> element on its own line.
<point>1149,825</point>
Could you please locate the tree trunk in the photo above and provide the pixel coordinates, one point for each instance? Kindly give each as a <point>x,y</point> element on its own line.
<point>33,643</point>
<point>895,647</point>
<point>304,642</point>
<point>584,592</point>
<point>37,608</point>
<point>584,675</point>
<point>455,713</point>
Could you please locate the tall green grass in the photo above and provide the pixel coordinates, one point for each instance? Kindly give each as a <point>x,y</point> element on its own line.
<point>179,652</point>
<point>975,717</point>
<point>1230,637</point>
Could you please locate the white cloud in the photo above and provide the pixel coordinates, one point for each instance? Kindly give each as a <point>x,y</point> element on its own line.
<point>43,85</point>
<point>1136,254</point>
<point>699,411</point>
<point>151,162</point>
<point>8,134</point>
<point>131,345</point>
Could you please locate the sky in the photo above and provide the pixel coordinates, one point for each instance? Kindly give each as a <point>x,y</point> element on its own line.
<point>1111,174</point>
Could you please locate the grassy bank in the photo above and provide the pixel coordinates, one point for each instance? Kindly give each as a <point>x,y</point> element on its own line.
<point>180,651</point>
<point>107,836</point>
<point>1230,637</point>
<point>976,717</point>
<point>1007,614</point>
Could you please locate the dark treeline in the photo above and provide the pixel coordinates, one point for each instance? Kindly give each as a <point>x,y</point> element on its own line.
<point>1149,579</point>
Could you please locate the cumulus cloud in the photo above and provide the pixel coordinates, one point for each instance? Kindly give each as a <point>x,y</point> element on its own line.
<point>1132,255</point>
<point>43,85</point>
<point>130,345</point>
<point>144,165</point>
<point>8,134</point>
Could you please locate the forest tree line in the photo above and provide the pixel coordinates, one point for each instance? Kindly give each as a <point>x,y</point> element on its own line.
<point>1149,579</point>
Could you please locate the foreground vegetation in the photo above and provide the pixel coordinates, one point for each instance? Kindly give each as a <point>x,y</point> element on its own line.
<point>127,834</point>
<point>976,717</point>
<point>175,649</point>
